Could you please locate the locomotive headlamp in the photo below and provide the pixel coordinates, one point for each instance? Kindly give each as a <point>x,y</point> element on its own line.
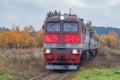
<point>47,51</point>
<point>62,17</point>
<point>75,51</point>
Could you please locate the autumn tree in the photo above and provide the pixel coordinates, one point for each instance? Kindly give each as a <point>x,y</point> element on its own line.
<point>111,40</point>
<point>26,38</point>
<point>3,39</point>
<point>40,38</point>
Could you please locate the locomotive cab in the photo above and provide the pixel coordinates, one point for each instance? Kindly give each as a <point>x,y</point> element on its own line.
<point>62,42</point>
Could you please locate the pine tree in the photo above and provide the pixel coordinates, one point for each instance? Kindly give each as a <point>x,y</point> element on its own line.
<point>52,13</point>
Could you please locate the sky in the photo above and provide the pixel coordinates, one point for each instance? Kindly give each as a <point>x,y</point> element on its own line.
<point>33,12</point>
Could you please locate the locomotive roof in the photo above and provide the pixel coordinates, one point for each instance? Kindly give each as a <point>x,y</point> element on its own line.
<point>67,18</point>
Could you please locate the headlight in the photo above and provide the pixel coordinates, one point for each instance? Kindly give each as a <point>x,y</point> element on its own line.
<point>62,17</point>
<point>75,51</point>
<point>47,51</point>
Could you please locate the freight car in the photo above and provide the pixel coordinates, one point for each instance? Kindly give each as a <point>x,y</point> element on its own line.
<point>67,42</point>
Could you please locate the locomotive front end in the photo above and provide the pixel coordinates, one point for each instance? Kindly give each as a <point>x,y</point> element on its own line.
<point>62,43</point>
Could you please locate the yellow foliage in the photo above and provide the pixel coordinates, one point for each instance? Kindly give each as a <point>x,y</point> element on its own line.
<point>111,40</point>
<point>16,38</point>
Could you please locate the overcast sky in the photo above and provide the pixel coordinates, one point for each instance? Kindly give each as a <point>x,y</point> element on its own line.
<point>33,12</point>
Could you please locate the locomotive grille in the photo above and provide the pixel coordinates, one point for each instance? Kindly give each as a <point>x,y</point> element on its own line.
<point>61,58</point>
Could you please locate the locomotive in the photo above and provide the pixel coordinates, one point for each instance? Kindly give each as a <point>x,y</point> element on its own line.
<point>67,42</point>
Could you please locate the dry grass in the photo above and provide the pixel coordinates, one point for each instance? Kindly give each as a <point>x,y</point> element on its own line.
<point>106,58</point>
<point>105,66</point>
<point>24,62</point>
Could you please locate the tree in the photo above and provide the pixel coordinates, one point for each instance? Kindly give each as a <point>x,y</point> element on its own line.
<point>3,39</point>
<point>16,38</point>
<point>114,39</point>
<point>89,24</point>
<point>111,40</point>
<point>40,38</point>
<point>29,29</point>
<point>52,13</point>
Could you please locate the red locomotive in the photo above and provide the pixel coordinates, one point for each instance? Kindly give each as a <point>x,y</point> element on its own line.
<point>67,42</point>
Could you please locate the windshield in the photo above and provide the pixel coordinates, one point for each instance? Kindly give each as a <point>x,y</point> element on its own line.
<point>70,27</point>
<point>53,27</point>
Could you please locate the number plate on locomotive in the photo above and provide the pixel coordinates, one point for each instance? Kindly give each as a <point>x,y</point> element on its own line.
<point>61,45</point>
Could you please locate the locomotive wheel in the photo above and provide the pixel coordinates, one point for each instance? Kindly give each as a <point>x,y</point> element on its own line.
<point>94,53</point>
<point>83,58</point>
<point>87,55</point>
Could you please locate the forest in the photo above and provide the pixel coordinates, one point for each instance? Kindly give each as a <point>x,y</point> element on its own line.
<point>16,38</point>
<point>30,38</point>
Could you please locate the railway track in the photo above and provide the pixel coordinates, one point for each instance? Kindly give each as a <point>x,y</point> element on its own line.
<point>52,76</point>
<point>40,75</point>
<point>65,76</point>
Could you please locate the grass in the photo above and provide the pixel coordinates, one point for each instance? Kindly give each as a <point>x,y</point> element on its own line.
<point>105,66</point>
<point>97,74</point>
<point>6,74</point>
<point>22,62</point>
